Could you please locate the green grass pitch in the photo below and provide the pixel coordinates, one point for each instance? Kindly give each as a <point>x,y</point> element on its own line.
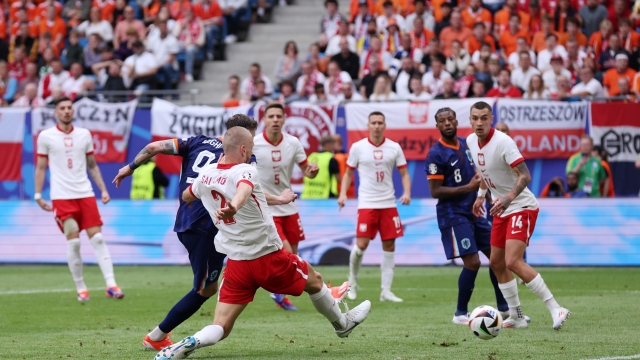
<point>53,325</point>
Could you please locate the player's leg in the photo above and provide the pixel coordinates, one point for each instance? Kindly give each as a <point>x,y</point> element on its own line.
<point>466,284</point>
<point>282,226</point>
<point>482,234</point>
<point>390,229</point>
<point>366,229</point>
<point>66,212</point>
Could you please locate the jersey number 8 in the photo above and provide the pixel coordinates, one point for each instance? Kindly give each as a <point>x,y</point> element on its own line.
<point>456,176</point>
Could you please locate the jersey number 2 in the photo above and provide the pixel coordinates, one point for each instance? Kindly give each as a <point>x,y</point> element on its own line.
<point>223,204</point>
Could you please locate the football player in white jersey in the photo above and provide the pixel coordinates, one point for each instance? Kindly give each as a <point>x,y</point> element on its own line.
<point>69,151</point>
<point>514,210</point>
<point>234,198</point>
<point>276,154</point>
<point>375,158</point>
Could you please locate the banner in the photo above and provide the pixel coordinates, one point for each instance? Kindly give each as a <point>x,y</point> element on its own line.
<point>109,123</point>
<point>617,129</point>
<point>11,137</point>
<point>170,121</point>
<point>544,129</point>
<point>411,124</point>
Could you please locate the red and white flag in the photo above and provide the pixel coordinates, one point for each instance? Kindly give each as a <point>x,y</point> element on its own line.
<point>11,138</point>
<point>615,127</point>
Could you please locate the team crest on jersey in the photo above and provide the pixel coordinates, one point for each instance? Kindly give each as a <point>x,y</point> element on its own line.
<point>377,154</point>
<point>246,175</point>
<point>68,142</point>
<point>276,155</point>
<point>481,159</point>
<point>466,243</point>
<point>468,152</point>
<point>363,227</point>
<point>433,169</point>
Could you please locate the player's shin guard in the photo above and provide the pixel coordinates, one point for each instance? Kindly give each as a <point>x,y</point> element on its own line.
<point>502,303</point>
<point>510,293</point>
<point>104,259</point>
<point>466,283</point>
<point>75,263</point>
<point>181,311</point>
<point>209,335</point>
<point>327,305</point>
<point>355,259</point>
<point>539,288</point>
<point>387,267</point>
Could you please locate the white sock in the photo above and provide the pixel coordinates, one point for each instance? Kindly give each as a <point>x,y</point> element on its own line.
<point>157,334</point>
<point>386,269</point>
<point>104,259</point>
<point>326,305</point>
<point>355,259</point>
<point>510,293</point>
<point>75,263</point>
<point>539,288</point>
<point>209,335</point>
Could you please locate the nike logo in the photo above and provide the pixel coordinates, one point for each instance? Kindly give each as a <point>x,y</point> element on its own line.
<point>483,170</point>
<point>398,231</point>
<point>453,163</point>
<point>515,232</point>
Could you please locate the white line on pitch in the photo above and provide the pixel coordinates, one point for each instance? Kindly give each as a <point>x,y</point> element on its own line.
<point>636,356</point>
<point>41,291</point>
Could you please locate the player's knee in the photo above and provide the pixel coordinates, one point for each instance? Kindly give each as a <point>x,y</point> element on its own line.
<point>209,291</point>
<point>389,245</point>
<point>472,262</point>
<point>497,264</point>
<point>513,264</point>
<point>70,226</point>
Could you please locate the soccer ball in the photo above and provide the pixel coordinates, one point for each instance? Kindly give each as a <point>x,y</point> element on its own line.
<point>485,322</point>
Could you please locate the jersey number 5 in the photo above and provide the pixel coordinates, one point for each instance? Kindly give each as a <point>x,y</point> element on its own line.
<point>276,179</point>
<point>223,204</point>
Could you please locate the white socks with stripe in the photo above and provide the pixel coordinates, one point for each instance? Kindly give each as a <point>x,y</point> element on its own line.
<point>387,267</point>
<point>104,259</point>
<point>75,263</point>
<point>327,305</point>
<point>355,259</point>
<point>209,335</point>
<point>539,288</point>
<point>510,293</point>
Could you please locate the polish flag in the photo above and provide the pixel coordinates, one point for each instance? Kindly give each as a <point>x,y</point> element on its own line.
<point>11,138</point>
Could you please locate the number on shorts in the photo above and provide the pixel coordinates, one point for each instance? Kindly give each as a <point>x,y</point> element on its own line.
<point>456,176</point>
<point>516,222</point>
<point>223,204</point>
<point>396,221</point>
<point>276,179</point>
<point>379,176</point>
<point>208,155</point>
<point>70,163</point>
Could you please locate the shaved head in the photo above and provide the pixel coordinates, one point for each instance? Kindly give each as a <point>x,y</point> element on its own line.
<point>238,145</point>
<point>502,127</point>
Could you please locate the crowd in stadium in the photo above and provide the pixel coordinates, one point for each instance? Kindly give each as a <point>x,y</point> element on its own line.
<point>445,49</point>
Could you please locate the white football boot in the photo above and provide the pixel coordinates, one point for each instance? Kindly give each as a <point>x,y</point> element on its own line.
<point>505,315</point>
<point>179,350</point>
<point>389,296</point>
<point>461,319</point>
<point>352,294</point>
<point>518,323</point>
<point>354,318</point>
<point>560,315</point>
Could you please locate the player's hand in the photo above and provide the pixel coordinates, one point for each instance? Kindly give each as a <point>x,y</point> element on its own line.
<point>105,197</point>
<point>288,196</point>
<point>478,207</point>
<point>312,170</point>
<point>122,173</point>
<point>474,184</point>
<point>342,200</point>
<point>500,205</point>
<point>226,213</point>
<point>405,199</point>
<point>43,204</point>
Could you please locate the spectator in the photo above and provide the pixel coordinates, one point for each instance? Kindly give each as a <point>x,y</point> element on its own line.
<point>151,11</point>
<point>359,26</point>
<point>514,58</point>
<point>509,38</point>
<point>289,66</point>
<point>55,77</point>
<point>349,93</point>
<point>539,41</point>
<point>504,17</point>
<point>448,90</point>
<point>385,59</point>
<point>555,188</point>
<point>573,33</point>
<point>8,84</point>
<point>30,97</point>
<point>564,90</point>
<point>536,89</point>
<point>41,11</point>
<point>480,36</point>
<point>74,53</point>
<point>368,81</point>
<point>318,95</point>
<point>391,39</point>
<point>333,47</point>
<point>606,189</point>
<point>620,11</point>
<point>485,54</point>
<point>210,13</point>
<point>463,84</point>
<point>364,43</point>
<point>178,7</point>
<point>335,79</point>
<point>388,15</point>
<point>24,41</point>
<point>607,59</point>
<point>409,51</point>
<point>32,29</point>
<point>149,183</point>
<point>248,86</point>
<point>563,13</point>
<point>420,12</point>
<point>125,49</point>
<point>96,25</point>
<point>73,85</point>
<point>588,85</point>
<point>494,72</point>
<point>109,76</point>
<point>318,60</point>
<point>432,50</point>
<point>92,52</point>
<point>624,87</point>
<point>118,12</point>
<point>165,48</point>
<point>162,16</point>
<point>575,57</point>
<point>139,70</point>
<point>56,28</point>
<point>106,7</point>
<point>629,38</point>
<point>331,20</point>
<point>612,75</point>
<point>455,32</point>
<point>445,18</point>
<point>475,14</point>
<point>31,71</point>
<point>588,168</point>
<point>420,36</point>
<point>286,95</point>
<point>417,91</point>
<point>458,61</point>
<point>56,93</point>
<point>121,31</point>
<point>505,89</point>
<point>382,90</point>
<point>233,97</point>
<point>592,15</point>
<point>190,33</point>
<point>347,60</point>
<point>599,40</point>
<point>325,184</point>
<point>550,76</point>
<point>307,81</point>
<point>544,56</point>
<point>535,17</point>
<point>18,67</point>
<point>433,80</point>
<point>76,11</point>
<point>87,90</point>
<point>401,86</point>
<point>573,191</point>
<point>477,90</point>
<point>521,76</point>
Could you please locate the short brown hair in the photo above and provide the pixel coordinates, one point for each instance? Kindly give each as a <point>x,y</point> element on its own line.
<point>274,106</point>
<point>377,113</point>
<point>242,120</point>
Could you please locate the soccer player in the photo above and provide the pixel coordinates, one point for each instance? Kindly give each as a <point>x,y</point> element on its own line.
<point>276,154</point>
<point>454,182</point>
<point>514,211</point>
<point>375,158</point>
<point>193,226</point>
<point>69,151</point>
<point>233,196</point>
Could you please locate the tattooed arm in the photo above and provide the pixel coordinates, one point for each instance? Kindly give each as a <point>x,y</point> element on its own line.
<point>158,147</point>
<point>96,175</point>
<point>501,204</point>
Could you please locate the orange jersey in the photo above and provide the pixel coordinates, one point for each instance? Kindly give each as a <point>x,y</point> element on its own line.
<point>508,41</point>
<point>420,41</point>
<point>3,28</point>
<point>178,7</point>
<point>448,36</point>
<point>33,29</point>
<point>57,27</point>
<point>611,78</point>
<point>539,42</point>
<point>106,8</point>
<point>355,5</point>
<point>598,43</point>
<point>31,11</point>
<point>213,11</point>
<point>470,18</point>
<point>154,8</point>
<point>631,41</point>
<point>474,45</point>
<point>580,38</point>
<point>401,7</point>
<point>41,12</point>
<point>502,19</point>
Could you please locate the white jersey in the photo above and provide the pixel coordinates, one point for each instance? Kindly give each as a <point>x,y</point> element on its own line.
<point>67,153</point>
<point>375,167</point>
<point>275,165</point>
<point>496,160</point>
<point>251,233</point>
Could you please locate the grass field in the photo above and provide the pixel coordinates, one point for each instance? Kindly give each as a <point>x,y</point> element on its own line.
<point>35,324</point>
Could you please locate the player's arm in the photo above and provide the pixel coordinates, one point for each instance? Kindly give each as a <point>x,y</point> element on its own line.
<point>524,177</point>
<point>346,182</point>
<point>243,192</point>
<point>309,169</point>
<point>41,172</point>
<point>444,192</point>
<point>405,199</point>
<point>478,205</point>
<point>96,175</point>
<point>285,197</point>
<point>167,147</point>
